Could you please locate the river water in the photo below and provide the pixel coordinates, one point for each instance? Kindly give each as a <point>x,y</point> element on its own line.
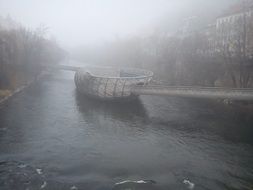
<point>53,138</point>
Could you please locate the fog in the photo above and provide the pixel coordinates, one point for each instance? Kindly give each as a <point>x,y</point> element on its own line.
<point>126,94</point>
<point>84,22</point>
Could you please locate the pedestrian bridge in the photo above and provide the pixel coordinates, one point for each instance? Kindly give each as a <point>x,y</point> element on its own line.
<point>195,92</point>
<point>139,85</point>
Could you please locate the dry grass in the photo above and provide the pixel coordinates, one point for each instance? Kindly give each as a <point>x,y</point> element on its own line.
<point>4,93</point>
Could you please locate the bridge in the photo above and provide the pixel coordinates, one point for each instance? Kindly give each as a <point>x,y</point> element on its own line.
<point>245,94</point>
<point>64,67</point>
<point>195,92</point>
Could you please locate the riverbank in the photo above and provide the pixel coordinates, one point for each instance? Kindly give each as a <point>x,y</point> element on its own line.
<point>6,94</point>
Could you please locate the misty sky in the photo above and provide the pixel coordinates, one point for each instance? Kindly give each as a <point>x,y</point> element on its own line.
<point>76,22</point>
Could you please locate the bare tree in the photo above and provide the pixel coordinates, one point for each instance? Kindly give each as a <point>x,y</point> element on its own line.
<point>24,53</point>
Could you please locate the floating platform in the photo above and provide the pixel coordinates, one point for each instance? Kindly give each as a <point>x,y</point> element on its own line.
<point>110,83</point>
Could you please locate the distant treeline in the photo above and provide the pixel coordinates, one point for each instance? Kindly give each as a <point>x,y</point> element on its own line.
<point>23,54</point>
<point>174,61</point>
<point>216,54</point>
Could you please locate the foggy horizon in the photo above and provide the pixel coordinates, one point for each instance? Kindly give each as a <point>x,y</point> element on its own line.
<point>126,94</point>
<point>77,23</point>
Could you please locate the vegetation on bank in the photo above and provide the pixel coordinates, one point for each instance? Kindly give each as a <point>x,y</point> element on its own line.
<point>23,55</point>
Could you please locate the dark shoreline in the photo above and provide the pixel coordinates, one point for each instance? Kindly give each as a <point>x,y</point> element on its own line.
<point>22,87</point>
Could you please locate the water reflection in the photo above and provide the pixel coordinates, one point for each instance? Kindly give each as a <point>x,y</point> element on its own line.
<point>91,144</point>
<point>123,111</point>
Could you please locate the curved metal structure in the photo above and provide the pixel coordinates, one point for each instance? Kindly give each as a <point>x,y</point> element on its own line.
<point>109,83</point>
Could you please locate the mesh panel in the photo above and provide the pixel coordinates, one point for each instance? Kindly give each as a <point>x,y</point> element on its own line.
<point>106,87</point>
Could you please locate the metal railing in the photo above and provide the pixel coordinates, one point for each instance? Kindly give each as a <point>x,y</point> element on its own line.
<point>194,92</point>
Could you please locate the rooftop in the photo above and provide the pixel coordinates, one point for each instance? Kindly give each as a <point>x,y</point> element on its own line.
<point>243,5</point>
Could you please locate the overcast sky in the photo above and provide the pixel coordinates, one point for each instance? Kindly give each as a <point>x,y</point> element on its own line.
<point>76,22</point>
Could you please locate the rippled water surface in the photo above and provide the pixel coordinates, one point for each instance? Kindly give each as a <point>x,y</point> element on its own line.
<point>52,138</point>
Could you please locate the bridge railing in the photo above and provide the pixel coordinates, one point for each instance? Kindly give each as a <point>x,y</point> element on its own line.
<point>195,92</point>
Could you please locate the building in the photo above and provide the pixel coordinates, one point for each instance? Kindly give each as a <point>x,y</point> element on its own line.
<point>235,12</point>
<point>234,29</point>
<point>189,26</point>
<point>210,34</point>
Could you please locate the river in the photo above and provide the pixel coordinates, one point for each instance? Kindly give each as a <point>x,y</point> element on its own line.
<point>53,138</point>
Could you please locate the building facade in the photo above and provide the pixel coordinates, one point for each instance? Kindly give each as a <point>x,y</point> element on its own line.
<point>234,30</point>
